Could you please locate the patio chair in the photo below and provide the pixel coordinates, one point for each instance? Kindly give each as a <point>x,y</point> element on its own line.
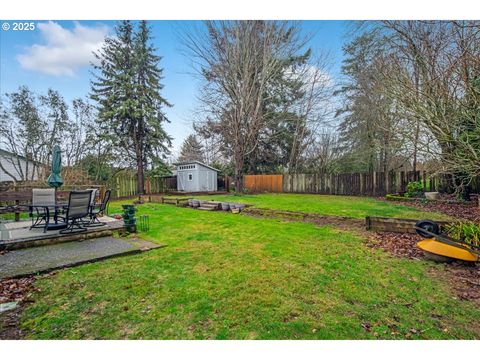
<point>95,212</point>
<point>94,196</point>
<point>40,197</point>
<point>92,205</point>
<point>78,208</point>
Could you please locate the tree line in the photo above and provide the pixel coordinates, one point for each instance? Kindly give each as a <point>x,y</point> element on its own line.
<point>118,125</point>
<point>412,95</point>
<point>407,99</point>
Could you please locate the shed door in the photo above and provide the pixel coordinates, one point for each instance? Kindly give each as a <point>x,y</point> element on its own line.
<point>180,181</point>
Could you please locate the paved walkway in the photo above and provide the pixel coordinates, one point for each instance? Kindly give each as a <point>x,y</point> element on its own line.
<point>51,257</point>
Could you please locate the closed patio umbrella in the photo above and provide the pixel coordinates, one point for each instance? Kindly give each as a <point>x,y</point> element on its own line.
<point>55,178</point>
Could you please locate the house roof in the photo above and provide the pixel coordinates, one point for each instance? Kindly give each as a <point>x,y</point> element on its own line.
<point>10,154</point>
<point>195,162</point>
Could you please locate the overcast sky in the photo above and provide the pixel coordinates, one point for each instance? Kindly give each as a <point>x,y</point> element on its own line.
<point>57,55</point>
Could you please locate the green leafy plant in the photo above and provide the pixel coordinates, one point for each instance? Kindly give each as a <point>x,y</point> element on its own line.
<point>414,189</point>
<point>467,231</point>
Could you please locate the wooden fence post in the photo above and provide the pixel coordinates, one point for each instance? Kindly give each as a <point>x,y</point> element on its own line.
<point>17,203</point>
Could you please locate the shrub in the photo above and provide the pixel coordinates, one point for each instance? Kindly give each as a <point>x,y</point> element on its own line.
<point>414,189</point>
<point>467,231</point>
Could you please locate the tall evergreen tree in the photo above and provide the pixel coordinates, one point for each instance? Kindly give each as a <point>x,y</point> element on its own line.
<point>127,89</point>
<point>192,150</point>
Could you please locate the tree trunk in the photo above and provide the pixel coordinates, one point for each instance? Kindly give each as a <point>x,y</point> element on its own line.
<point>140,176</point>
<point>239,164</point>
<point>140,167</point>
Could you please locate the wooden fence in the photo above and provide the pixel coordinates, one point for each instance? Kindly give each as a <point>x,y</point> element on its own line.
<point>263,183</point>
<point>125,185</point>
<point>371,184</point>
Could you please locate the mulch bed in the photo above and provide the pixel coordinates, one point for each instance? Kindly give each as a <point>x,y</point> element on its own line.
<point>12,290</point>
<point>465,211</point>
<point>398,244</point>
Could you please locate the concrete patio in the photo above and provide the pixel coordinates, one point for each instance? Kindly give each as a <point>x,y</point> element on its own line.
<point>17,234</point>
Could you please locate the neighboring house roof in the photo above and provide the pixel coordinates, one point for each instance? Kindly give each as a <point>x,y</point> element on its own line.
<point>195,162</point>
<point>6,153</point>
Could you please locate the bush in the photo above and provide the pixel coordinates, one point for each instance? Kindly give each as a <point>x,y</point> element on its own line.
<point>414,189</point>
<point>467,231</point>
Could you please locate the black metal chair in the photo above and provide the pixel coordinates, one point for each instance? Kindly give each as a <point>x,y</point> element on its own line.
<point>95,212</point>
<point>78,208</point>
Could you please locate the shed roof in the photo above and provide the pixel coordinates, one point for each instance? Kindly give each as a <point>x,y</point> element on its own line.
<point>195,162</point>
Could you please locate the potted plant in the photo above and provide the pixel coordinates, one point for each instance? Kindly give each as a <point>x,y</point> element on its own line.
<point>225,206</point>
<point>240,206</point>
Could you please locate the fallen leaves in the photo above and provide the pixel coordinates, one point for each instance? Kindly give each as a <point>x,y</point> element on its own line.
<point>403,245</point>
<point>466,211</point>
<point>15,289</point>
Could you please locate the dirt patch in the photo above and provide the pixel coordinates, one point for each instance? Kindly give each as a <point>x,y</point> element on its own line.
<point>14,290</point>
<point>462,277</point>
<point>343,223</point>
<point>465,211</point>
<point>10,324</point>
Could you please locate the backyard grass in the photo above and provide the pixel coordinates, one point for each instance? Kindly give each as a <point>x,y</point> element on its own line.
<point>226,276</point>
<point>332,205</point>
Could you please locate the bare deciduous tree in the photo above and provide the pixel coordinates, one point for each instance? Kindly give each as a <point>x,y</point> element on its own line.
<point>438,81</point>
<point>238,61</point>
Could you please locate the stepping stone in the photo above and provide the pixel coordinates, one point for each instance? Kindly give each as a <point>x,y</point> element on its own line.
<point>47,258</point>
<point>8,306</point>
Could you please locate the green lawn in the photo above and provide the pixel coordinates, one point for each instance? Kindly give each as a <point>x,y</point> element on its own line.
<point>349,206</point>
<point>226,276</point>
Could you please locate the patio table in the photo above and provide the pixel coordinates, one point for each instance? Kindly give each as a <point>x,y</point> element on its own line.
<point>56,209</point>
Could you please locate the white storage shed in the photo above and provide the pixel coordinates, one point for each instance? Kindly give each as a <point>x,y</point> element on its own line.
<point>194,176</point>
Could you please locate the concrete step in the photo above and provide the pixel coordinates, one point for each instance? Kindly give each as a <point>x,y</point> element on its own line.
<point>214,206</point>
<point>207,208</point>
